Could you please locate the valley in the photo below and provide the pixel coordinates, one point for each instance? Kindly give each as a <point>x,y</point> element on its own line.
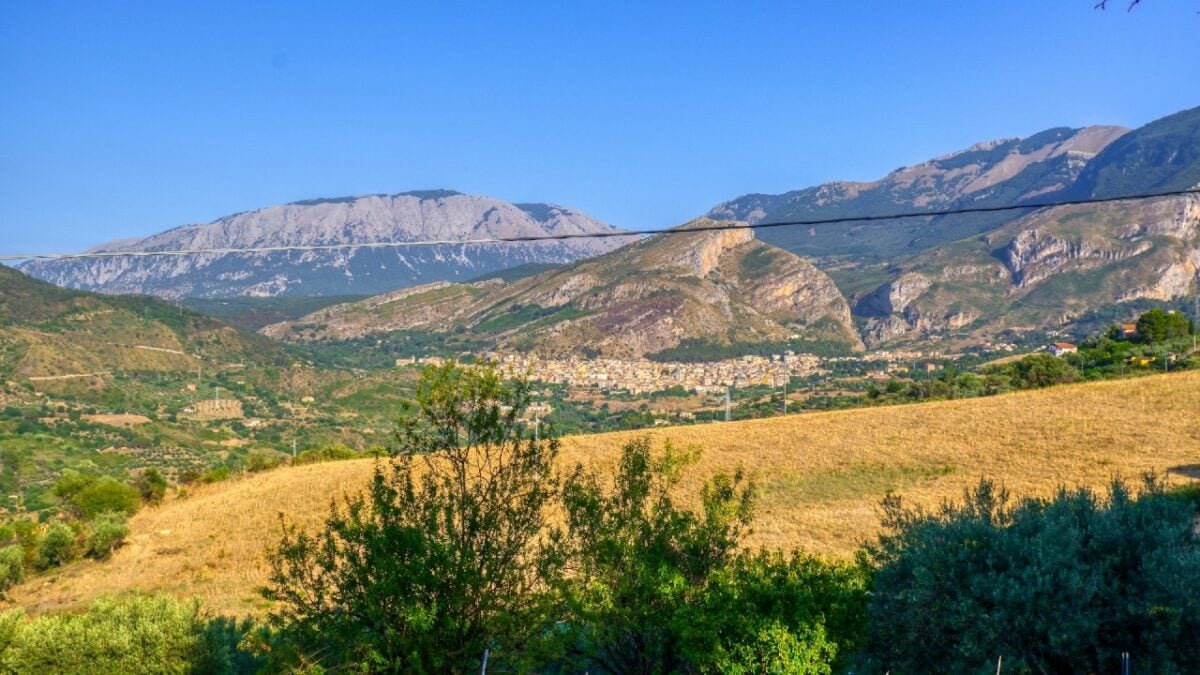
<point>720,407</point>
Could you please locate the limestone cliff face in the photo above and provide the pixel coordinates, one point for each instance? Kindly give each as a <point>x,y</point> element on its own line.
<point>438,215</point>
<point>1071,260</point>
<point>1032,256</point>
<point>717,287</point>
<point>894,296</point>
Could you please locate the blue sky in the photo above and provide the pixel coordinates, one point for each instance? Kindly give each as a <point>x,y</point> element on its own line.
<point>122,119</point>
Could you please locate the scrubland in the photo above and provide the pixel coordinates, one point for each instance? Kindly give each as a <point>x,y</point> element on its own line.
<point>820,477</point>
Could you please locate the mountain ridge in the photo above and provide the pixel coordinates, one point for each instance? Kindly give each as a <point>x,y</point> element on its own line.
<point>1000,171</point>
<point>442,215</point>
<point>722,286</point>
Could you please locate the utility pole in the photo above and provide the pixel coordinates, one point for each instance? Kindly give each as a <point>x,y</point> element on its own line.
<point>728,405</point>
<point>293,448</point>
<point>783,403</point>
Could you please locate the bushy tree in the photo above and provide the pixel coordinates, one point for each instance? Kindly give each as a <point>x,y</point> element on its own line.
<point>439,561</point>
<point>12,566</point>
<point>771,612</point>
<point>329,453</point>
<point>105,533</point>
<point>638,561</point>
<point>88,495</point>
<point>1157,326</point>
<point>654,587</point>
<point>60,545</point>
<point>1053,585</point>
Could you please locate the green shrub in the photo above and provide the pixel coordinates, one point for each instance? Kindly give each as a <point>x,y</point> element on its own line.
<point>107,532</point>
<point>89,495</point>
<point>12,566</point>
<point>216,475</point>
<point>141,634</point>
<point>151,485</point>
<point>262,462</point>
<point>329,453</point>
<point>59,546</point>
<point>1059,585</point>
<point>106,494</point>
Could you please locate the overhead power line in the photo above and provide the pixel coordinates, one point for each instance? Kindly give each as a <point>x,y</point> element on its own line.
<point>603,235</point>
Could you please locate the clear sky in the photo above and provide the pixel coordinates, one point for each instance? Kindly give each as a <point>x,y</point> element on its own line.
<point>120,119</point>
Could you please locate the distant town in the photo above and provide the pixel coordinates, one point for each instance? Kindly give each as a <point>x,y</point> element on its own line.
<point>643,376</point>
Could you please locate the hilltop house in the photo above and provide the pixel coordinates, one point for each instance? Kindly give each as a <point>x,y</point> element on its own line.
<point>1128,330</point>
<point>1062,349</point>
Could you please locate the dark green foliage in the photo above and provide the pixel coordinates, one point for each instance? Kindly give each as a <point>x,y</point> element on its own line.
<point>89,495</point>
<point>12,566</point>
<point>1160,156</point>
<point>770,612</point>
<point>1036,371</point>
<point>1158,326</point>
<point>640,561</point>
<point>105,533</point>
<point>438,562</point>
<point>1054,586</point>
<point>151,485</point>
<point>656,588</point>
<point>252,313</point>
<point>60,545</point>
<point>527,316</point>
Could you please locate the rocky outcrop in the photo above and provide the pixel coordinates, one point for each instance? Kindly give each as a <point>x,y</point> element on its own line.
<point>1172,281</point>
<point>894,296</point>
<point>914,322</point>
<point>1032,257</point>
<point>703,250</point>
<point>714,287</point>
<point>439,215</point>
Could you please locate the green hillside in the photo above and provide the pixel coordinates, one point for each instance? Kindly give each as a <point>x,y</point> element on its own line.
<point>1161,156</point>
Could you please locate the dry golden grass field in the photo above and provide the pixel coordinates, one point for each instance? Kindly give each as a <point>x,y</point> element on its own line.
<point>821,478</point>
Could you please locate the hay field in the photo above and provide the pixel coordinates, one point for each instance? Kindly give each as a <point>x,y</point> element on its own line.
<point>821,478</point>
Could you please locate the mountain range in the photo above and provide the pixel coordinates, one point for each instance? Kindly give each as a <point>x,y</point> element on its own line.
<point>441,215</point>
<point>968,278</point>
<point>993,173</point>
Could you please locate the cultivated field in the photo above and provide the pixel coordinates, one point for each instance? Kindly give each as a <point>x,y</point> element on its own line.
<point>821,478</point>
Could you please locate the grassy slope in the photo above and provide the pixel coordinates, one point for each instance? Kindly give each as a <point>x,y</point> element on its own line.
<point>822,476</point>
<point>50,331</point>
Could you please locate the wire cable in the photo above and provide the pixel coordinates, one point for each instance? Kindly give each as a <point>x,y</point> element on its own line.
<point>599,235</point>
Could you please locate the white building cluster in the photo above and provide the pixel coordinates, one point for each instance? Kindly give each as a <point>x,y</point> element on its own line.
<point>644,376</point>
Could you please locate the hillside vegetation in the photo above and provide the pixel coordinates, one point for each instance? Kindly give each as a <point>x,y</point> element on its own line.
<point>724,288</point>
<point>49,332</point>
<point>821,476</point>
